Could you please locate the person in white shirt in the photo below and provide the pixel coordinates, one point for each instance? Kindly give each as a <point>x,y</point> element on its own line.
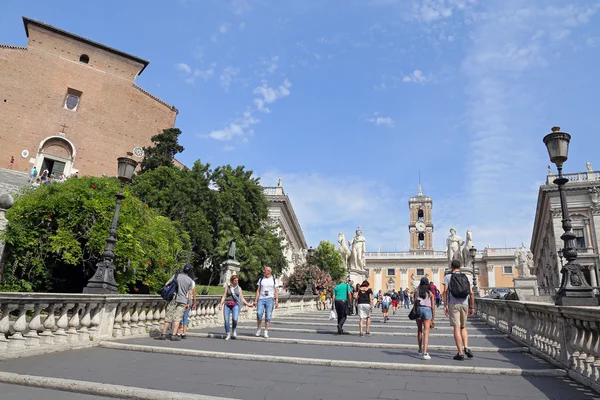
<point>385,306</point>
<point>267,298</point>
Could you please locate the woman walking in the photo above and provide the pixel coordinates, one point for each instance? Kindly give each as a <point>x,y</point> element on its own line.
<point>385,306</point>
<point>426,298</point>
<point>233,297</point>
<point>364,301</point>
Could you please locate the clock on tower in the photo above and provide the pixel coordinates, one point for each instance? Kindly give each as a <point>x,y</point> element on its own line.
<point>421,225</point>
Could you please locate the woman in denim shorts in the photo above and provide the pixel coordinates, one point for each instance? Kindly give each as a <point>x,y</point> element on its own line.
<point>424,323</point>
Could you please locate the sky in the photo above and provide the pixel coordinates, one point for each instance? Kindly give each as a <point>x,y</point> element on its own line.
<point>350,101</point>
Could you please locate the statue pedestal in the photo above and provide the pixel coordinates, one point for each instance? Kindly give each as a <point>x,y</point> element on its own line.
<point>526,286</point>
<point>228,268</point>
<point>358,275</point>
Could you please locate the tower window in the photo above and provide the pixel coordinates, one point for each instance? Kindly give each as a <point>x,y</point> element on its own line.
<point>420,215</point>
<point>72,99</point>
<point>84,58</point>
<point>421,240</point>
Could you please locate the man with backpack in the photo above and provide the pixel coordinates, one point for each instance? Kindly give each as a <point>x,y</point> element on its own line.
<point>459,301</point>
<point>436,293</point>
<point>178,292</point>
<point>406,298</point>
<point>267,298</point>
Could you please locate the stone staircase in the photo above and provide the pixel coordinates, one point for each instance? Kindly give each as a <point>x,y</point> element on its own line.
<point>304,358</point>
<point>11,181</point>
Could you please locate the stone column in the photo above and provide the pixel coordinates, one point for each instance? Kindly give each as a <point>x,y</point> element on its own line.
<point>6,202</point>
<point>377,280</point>
<point>593,277</point>
<point>491,272</point>
<point>404,277</point>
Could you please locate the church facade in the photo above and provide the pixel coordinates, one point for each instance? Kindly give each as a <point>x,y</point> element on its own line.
<point>494,267</point>
<point>71,105</point>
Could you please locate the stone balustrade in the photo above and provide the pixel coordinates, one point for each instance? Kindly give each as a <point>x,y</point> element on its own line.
<point>568,337</point>
<point>33,323</point>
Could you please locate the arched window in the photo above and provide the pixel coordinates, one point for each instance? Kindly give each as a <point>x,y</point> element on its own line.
<point>84,58</point>
<point>421,240</point>
<point>420,215</point>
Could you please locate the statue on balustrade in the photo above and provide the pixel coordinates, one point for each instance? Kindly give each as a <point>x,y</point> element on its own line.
<point>524,261</point>
<point>465,251</point>
<point>358,253</point>
<point>588,165</point>
<point>344,250</point>
<point>454,243</point>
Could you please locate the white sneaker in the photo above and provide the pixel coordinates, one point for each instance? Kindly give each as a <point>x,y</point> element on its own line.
<point>426,356</point>
<point>234,333</point>
<point>266,333</point>
<point>228,336</point>
<point>257,334</point>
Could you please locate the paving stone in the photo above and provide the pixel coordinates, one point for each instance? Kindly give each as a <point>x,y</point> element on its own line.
<point>16,392</point>
<point>407,395</point>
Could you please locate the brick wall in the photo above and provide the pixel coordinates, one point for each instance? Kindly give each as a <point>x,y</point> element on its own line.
<point>113,115</point>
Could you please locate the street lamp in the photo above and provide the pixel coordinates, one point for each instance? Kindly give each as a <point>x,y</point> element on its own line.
<point>103,280</point>
<point>574,289</point>
<point>473,253</point>
<point>309,258</point>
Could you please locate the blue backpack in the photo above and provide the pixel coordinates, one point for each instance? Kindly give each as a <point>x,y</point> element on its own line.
<point>170,290</point>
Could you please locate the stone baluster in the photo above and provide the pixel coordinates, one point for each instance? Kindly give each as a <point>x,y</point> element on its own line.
<point>32,338</point>
<point>595,350</point>
<point>72,333</point>
<point>203,312</point>
<point>135,317</point>
<point>86,322</point>
<point>163,314</point>
<point>95,321</point>
<point>126,319</point>
<point>17,340</point>
<point>589,360</point>
<point>156,319</point>
<point>7,308</point>
<point>142,317</point>
<point>60,336</point>
<point>47,336</point>
<point>117,326</point>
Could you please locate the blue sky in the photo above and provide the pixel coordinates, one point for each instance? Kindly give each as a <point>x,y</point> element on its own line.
<point>348,100</point>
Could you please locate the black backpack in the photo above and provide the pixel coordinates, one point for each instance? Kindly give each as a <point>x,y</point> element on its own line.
<point>460,288</point>
<point>170,290</point>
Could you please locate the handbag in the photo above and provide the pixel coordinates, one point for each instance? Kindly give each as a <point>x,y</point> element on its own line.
<point>237,299</point>
<point>332,315</point>
<point>415,313</point>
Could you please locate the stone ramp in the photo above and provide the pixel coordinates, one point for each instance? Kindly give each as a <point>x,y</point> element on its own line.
<point>11,181</point>
<point>258,368</point>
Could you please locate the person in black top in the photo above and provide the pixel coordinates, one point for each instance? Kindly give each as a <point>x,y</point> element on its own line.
<point>364,301</point>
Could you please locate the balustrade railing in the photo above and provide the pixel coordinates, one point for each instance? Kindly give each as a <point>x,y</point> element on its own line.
<point>568,337</point>
<point>32,323</point>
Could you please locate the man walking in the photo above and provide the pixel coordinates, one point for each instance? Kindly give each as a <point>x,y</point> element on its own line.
<point>179,304</point>
<point>458,295</point>
<point>267,298</point>
<point>406,298</point>
<point>341,294</point>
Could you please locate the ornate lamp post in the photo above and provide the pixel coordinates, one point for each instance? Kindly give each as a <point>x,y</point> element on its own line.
<point>309,258</point>
<point>574,289</point>
<point>103,280</point>
<point>473,253</point>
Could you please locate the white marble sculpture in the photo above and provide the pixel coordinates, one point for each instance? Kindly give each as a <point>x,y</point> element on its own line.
<point>595,196</point>
<point>415,281</point>
<point>524,261</point>
<point>588,165</point>
<point>550,169</point>
<point>453,247</point>
<point>465,251</point>
<point>344,250</point>
<point>359,251</point>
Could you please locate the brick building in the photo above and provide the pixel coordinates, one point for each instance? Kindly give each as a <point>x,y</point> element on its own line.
<point>70,105</point>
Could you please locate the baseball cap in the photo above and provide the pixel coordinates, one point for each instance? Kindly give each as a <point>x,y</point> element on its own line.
<point>187,268</point>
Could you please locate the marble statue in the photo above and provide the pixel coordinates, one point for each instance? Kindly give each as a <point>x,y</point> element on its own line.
<point>588,165</point>
<point>279,182</point>
<point>524,261</point>
<point>415,281</point>
<point>465,251</point>
<point>549,169</point>
<point>595,195</point>
<point>358,252</point>
<point>454,243</point>
<point>344,250</point>
<point>231,252</point>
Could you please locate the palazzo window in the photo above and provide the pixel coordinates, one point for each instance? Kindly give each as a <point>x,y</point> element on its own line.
<point>579,238</point>
<point>72,99</point>
<point>420,271</point>
<point>508,269</point>
<point>391,272</point>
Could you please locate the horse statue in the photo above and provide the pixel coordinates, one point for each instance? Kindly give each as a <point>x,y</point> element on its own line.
<point>468,245</point>
<point>344,250</point>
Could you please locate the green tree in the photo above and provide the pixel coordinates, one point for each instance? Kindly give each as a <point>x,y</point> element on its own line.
<point>56,234</point>
<point>297,282</point>
<point>166,146</point>
<point>328,259</point>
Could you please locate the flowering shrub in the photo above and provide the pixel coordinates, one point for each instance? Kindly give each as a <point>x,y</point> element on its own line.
<point>297,282</point>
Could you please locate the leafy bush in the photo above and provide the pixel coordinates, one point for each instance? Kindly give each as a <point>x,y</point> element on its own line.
<point>56,234</point>
<point>298,281</point>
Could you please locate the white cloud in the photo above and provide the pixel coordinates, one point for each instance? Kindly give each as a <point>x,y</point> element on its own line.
<point>240,6</point>
<point>269,95</point>
<point>227,76</point>
<point>192,75</point>
<point>379,120</point>
<point>240,128</point>
<point>228,148</point>
<point>242,26</point>
<point>183,67</point>
<point>224,28</point>
<point>416,77</point>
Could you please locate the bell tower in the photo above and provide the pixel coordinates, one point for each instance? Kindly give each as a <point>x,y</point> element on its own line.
<point>421,225</point>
